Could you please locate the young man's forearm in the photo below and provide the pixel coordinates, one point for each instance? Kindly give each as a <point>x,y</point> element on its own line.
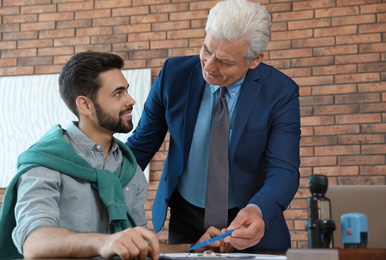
<point>53,242</point>
<point>57,242</point>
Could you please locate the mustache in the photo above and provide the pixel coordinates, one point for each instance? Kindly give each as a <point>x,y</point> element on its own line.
<point>129,109</point>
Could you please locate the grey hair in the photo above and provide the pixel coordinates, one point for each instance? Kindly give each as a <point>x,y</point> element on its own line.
<point>232,20</point>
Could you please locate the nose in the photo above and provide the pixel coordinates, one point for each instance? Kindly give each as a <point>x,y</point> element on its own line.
<point>210,63</point>
<point>129,100</point>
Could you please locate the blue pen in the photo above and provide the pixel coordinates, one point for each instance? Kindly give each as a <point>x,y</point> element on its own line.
<point>211,240</point>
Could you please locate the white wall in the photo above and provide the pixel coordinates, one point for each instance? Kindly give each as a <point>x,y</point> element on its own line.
<point>30,105</point>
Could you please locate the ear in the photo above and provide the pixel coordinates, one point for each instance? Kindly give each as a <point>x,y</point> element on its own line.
<point>256,61</point>
<point>84,105</point>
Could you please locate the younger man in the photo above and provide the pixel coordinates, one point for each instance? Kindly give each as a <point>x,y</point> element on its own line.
<point>78,191</point>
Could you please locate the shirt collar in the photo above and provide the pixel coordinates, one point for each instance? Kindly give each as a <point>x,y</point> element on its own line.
<point>83,143</point>
<point>233,90</point>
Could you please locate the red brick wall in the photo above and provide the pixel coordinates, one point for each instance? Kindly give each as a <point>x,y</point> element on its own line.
<point>334,49</point>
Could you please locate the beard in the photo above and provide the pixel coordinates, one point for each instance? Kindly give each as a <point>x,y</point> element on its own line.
<point>108,122</point>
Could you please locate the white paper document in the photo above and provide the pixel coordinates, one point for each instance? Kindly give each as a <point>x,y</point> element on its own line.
<point>188,256</point>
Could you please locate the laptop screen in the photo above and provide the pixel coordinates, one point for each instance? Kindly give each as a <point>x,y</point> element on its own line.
<point>366,199</point>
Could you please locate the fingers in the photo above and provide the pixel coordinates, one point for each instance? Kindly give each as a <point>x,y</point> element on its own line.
<point>226,247</point>
<point>210,232</point>
<point>213,232</point>
<point>242,218</point>
<point>247,237</point>
<point>132,243</point>
<point>146,243</point>
<point>139,248</point>
<point>153,244</point>
<point>249,228</point>
<point>216,246</point>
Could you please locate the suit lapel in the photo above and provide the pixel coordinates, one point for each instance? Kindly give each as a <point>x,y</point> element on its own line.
<point>247,99</point>
<point>195,90</point>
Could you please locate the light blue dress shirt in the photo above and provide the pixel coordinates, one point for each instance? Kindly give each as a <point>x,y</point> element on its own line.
<point>192,185</point>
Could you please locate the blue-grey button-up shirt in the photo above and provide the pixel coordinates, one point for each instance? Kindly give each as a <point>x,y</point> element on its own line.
<point>192,185</point>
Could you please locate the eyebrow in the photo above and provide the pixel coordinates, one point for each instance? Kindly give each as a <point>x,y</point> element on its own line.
<point>206,48</point>
<point>220,60</point>
<point>121,88</point>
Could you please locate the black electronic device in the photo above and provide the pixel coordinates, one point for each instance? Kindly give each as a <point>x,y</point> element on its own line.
<point>319,225</point>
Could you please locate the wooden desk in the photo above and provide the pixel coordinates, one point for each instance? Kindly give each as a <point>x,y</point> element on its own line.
<point>336,254</point>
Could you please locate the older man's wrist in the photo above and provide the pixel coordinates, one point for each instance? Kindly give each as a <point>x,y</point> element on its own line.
<point>254,205</point>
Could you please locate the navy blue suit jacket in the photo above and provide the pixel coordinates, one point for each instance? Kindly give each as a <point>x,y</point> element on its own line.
<point>264,148</point>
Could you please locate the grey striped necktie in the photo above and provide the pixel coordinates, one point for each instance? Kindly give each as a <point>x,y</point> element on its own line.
<point>216,207</point>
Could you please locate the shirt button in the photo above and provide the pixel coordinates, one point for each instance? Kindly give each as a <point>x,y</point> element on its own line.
<point>127,188</point>
<point>98,147</point>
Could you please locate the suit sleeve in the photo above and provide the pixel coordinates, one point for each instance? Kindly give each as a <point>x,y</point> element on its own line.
<point>282,159</point>
<point>152,127</point>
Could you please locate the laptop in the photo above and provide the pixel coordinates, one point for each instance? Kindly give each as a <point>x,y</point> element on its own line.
<point>366,199</point>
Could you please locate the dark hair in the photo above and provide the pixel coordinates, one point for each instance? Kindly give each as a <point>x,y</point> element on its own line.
<point>80,76</point>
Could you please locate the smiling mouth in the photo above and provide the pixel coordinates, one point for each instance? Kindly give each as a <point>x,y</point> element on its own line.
<point>127,113</point>
<point>211,75</point>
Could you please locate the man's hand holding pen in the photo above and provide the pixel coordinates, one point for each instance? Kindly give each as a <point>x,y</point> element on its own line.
<point>248,228</point>
<point>213,240</point>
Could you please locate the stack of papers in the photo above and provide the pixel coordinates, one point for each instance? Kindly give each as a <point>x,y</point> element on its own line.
<point>201,256</point>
